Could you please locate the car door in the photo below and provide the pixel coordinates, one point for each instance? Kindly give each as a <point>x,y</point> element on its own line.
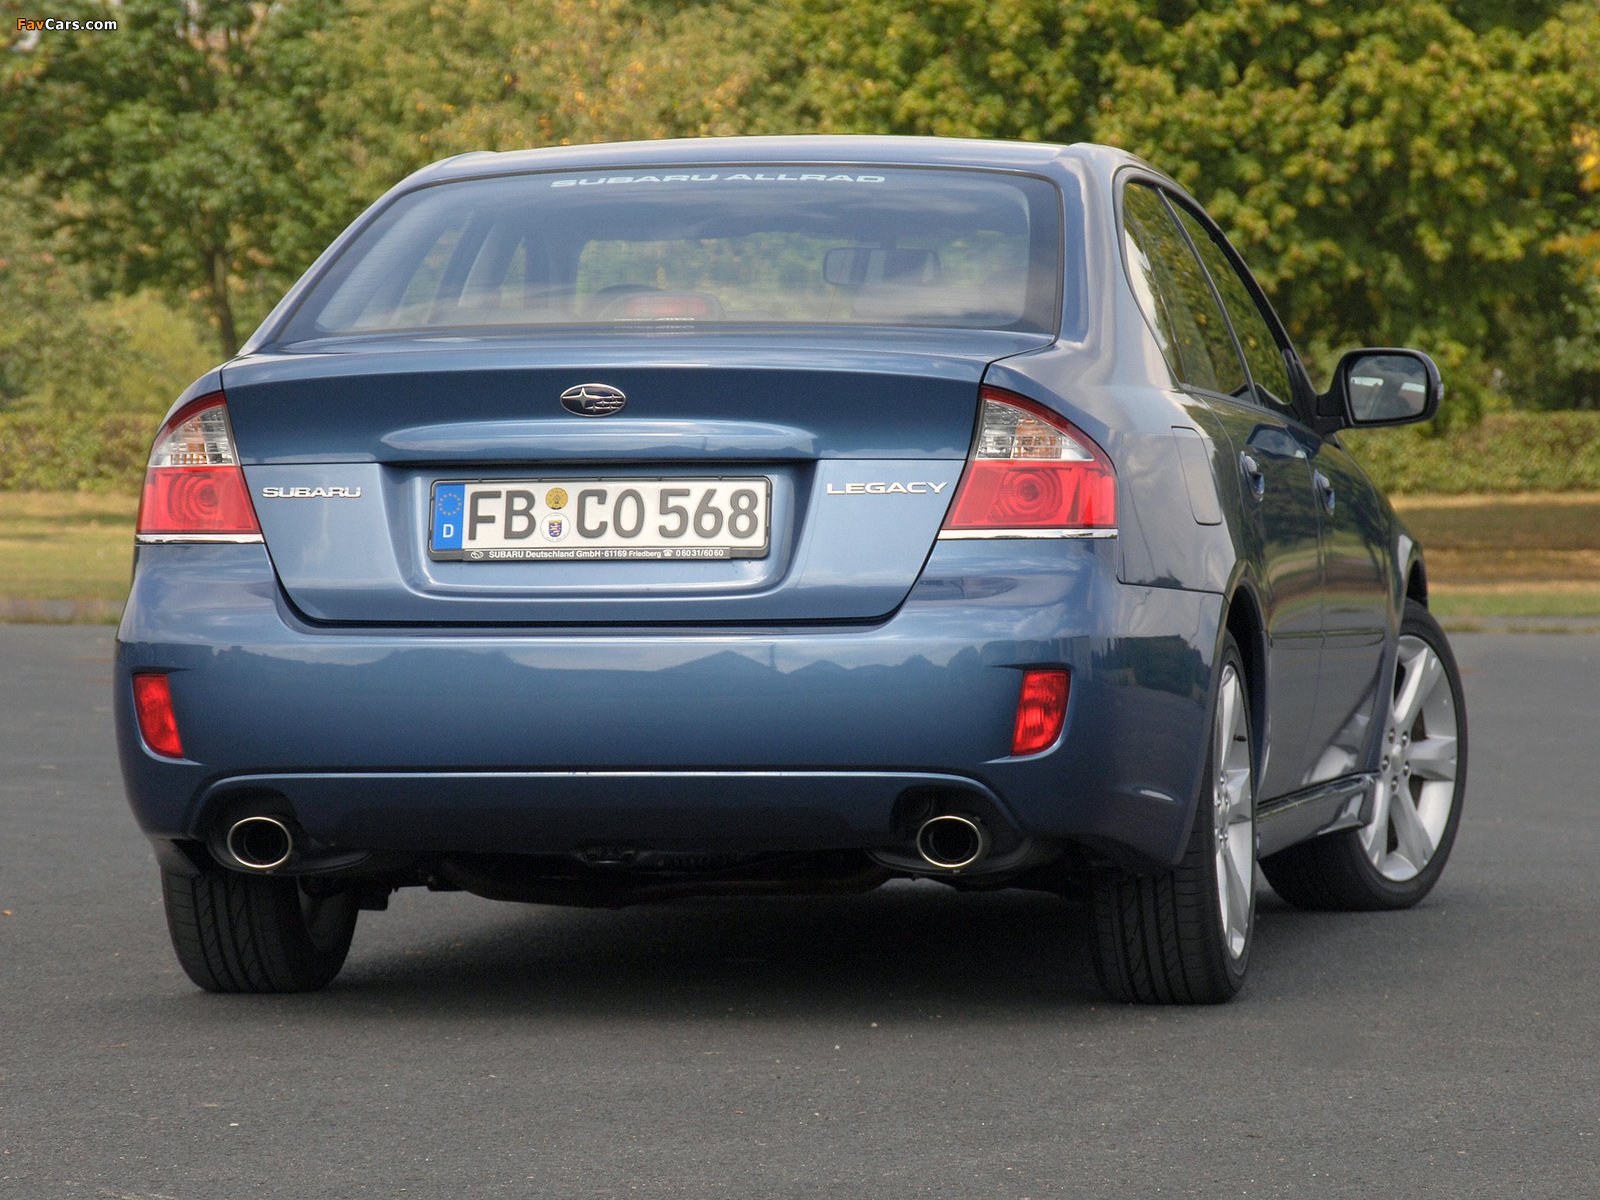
<point>1357,569</point>
<point>1277,518</point>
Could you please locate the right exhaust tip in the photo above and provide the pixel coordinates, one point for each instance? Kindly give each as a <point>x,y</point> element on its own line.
<point>260,843</point>
<point>952,842</point>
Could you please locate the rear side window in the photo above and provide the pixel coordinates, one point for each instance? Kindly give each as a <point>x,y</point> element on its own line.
<point>1175,296</point>
<point>1261,349</point>
<point>790,245</point>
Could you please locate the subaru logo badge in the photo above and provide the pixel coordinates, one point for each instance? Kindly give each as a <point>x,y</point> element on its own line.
<point>593,400</point>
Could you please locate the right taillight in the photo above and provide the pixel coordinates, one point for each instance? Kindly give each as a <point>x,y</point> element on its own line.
<point>1031,473</point>
<point>194,488</point>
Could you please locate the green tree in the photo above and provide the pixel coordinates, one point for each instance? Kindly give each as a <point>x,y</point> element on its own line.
<point>431,78</point>
<point>82,381</point>
<point>1394,173</point>
<point>212,148</point>
<point>48,342</point>
<point>187,149</point>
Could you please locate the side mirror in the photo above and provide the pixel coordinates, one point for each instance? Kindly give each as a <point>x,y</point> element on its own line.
<point>1382,387</point>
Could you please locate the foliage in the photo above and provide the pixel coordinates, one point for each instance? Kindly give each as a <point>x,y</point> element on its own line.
<point>48,344</point>
<point>431,78</point>
<point>1393,174</point>
<point>213,148</point>
<point>184,148</point>
<point>82,381</point>
<point>1575,351</point>
<point>1505,452</point>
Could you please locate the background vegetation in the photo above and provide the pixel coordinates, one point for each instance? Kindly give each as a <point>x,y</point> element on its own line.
<point>1422,173</point>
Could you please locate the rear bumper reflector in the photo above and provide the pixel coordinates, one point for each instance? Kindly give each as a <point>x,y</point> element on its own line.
<point>1041,712</point>
<point>158,724</point>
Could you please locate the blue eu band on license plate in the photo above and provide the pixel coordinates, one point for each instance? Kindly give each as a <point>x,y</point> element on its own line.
<point>525,520</point>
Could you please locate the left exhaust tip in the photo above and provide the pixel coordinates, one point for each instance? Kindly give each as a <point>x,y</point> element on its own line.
<point>951,842</point>
<point>259,843</point>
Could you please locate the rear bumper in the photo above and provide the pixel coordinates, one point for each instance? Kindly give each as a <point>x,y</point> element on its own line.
<point>545,812</point>
<point>741,738</point>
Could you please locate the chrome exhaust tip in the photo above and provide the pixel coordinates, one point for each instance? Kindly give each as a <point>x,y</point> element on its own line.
<point>951,842</point>
<point>260,843</point>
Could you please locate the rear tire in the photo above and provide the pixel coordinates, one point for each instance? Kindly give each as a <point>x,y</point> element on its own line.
<point>1396,858</point>
<point>247,933</point>
<point>1184,936</point>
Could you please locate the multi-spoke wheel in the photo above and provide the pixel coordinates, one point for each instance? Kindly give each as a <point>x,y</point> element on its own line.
<point>1233,814</point>
<point>1396,857</point>
<point>1183,937</point>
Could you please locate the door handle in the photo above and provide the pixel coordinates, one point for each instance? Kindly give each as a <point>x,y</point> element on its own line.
<point>1253,473</point>
<point>1324,490</point>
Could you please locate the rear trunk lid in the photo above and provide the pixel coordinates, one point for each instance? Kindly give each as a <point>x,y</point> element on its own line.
<point>856,441</point>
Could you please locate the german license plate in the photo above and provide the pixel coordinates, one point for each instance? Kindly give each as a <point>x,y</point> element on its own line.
<point>523,520</point>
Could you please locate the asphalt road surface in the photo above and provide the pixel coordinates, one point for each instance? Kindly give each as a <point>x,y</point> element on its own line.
<point>908,1043</point>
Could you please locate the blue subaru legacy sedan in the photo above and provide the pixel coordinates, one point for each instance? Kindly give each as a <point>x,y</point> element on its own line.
<point>602,525</point>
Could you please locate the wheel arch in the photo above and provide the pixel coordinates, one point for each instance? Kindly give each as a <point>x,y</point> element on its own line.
<point>1410,581</point>
<point>1243,619</point>
<point>1417,579</point>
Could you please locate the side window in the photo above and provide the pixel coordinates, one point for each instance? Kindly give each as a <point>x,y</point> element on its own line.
<point>1173,290</point>
<point>1261,349</point>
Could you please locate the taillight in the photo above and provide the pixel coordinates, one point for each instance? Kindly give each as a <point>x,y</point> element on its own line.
<point>194,489</point>
<point>1041,711</point>
<point>1032,474</point>
<point>158,724</point>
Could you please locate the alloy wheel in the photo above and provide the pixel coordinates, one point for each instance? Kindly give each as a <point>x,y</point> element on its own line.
<point>1417,779</point>
<point>1233,815</point>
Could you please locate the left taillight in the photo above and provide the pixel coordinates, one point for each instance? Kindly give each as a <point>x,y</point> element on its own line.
<point>194,488</point>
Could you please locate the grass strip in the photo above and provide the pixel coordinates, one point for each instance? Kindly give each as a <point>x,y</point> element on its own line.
<point>72,547</point>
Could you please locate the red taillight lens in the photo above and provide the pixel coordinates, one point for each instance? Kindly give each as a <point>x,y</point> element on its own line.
<point>1032,469</point>
<point>1041,710</point>
<point>196,500</point>
<point>158,725</point>
<point>193,485</point>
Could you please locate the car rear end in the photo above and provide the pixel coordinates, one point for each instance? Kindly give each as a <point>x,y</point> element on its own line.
<point>594,536</point>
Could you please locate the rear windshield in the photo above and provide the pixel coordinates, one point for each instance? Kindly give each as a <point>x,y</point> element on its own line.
<point>817,245</point>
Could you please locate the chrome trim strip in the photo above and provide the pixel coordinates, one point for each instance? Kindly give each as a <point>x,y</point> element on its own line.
<point>897,778</point>
<point>963,535</point>
<point>162,539</point>
<point>1313,811</point>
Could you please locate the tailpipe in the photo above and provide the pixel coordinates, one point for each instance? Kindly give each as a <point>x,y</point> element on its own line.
<point>951,842</point>
<point>259,843</point>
